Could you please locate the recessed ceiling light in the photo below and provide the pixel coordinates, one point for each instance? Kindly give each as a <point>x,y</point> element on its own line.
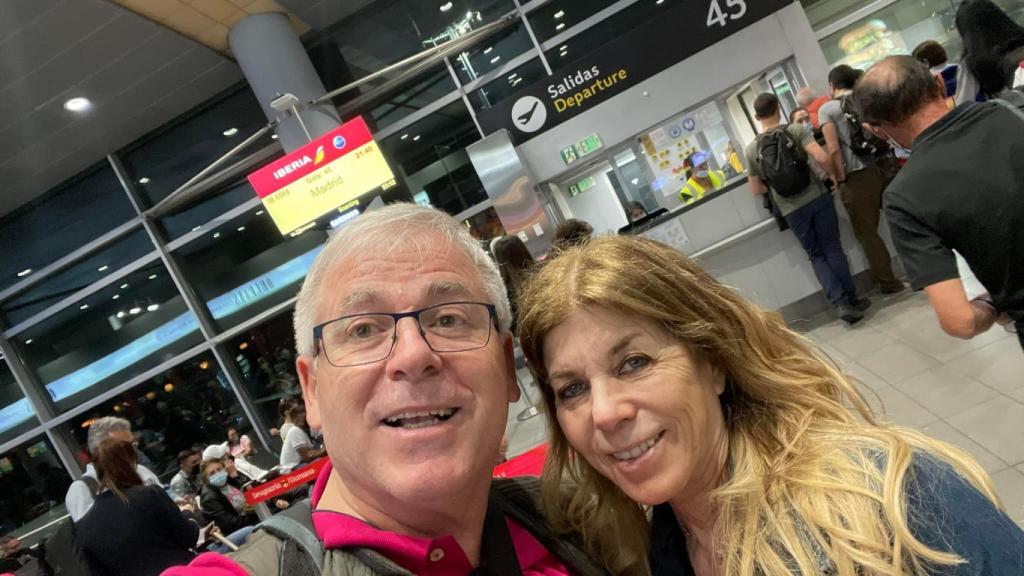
<point>152,276</point>
<point>446,6</point>
<point>216,234</point>
<point>103,268</point>
<point>563,53</point>
<point>83,307</point>
<point>29,341</point>
<point>143,180</point>
<point>560,26</point>
<point>495,59</point>
<point>273,136</point>
<point>115,296</point>
<point>559,14</point>
<point>24,272</point>
<point>231,132</point>
<point>194,228</point>
<point>123,286</point>
<point>135,310</point>
<point>77,104</point>
<point>659,1</point>
<point>513,75</point>
<point>241,228</point>
<point>416,138</point>
<point>260,213</point>
<point>120,314</point>
<point>563,47</point>
<point>404,137</point>
<point>488,49</point>
<point>153,307</point>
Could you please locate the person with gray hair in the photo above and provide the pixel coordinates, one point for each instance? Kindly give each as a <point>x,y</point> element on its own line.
<point>962,190</point>
<point>406,366</point>
<point>82,492</point>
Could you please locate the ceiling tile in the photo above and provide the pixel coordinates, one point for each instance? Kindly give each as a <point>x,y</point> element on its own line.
<point>216,38</point>
<point>20,13</point>
<point>218,10</point>
<point>188,20</point>
<point>236,17</point>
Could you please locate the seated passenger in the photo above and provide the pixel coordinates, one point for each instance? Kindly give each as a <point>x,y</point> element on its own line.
<point>222,501</point>
<point>132,529</point>
<point>665,388</point>
<point>297,448</point>
<point>703,179</point>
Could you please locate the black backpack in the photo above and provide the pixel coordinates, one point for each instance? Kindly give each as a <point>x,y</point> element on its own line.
<point>783,163</point>
<point>60,554</point>
<point>863,144</point>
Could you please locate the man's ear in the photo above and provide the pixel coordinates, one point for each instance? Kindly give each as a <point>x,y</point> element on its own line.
<point>305,366</point>
<point>510,361</point>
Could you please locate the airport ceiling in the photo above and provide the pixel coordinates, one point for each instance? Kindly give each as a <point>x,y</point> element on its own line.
<point>140,63</point>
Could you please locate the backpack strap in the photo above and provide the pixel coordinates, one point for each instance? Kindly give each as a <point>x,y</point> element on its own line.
<point>302,552</point>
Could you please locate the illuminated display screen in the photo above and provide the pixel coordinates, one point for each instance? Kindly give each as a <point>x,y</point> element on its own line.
<point>322,176</point>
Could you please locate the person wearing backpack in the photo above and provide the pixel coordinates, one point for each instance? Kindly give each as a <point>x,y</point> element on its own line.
<point>852,153</point>
<point>962,190</point>
<point>779,166</point>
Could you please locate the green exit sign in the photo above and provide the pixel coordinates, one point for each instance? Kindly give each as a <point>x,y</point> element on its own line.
<point>588,145</point>
<point>581,186</point>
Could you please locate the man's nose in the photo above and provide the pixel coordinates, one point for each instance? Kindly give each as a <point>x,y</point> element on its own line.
<point>411,356</point>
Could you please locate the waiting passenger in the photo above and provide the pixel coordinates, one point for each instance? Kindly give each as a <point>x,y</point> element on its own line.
<point>962,190</point>
<point>780,165</point>
<point>666,389</point>
<point>185,485</point>
<point>635,211</point>
<point>223,502</point>
<point>993,51</point>
<point>133,529</point>
<point>934,56</point>
<point>514,262</point>
<point>297,448</point>
<point>571,233</point>
<point>702,180</point>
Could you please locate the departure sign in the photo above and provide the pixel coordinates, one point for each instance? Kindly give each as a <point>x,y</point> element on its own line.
<point>323,175</point>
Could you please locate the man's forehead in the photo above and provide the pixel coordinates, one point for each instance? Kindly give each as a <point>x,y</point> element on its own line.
<point>436,290</point>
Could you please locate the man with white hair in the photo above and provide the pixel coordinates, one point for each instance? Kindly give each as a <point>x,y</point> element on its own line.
<point>82,492</point>
<point>406,365</point>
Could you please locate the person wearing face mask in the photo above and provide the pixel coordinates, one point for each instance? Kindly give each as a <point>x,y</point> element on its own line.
<point>223,502</point>
<point>703,179</point>
<point>962,190</point>
<point>185,485</point>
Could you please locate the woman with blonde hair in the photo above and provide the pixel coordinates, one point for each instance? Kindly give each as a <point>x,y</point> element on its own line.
<point>666,389</point>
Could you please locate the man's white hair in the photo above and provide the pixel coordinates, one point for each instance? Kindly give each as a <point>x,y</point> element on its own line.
<point>101,428</point>
<point>805,96</point>
<point>401,226</point>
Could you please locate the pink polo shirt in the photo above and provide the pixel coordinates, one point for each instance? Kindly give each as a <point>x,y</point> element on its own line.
<point>430,557</point>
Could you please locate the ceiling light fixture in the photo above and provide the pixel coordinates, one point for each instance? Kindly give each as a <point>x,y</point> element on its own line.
<point>241,228</point>
<point>103,268</point>
<point>513,75</point>
<point>495,59</point>
<point>115,296</point>
<point>153,307</point>
<point>83,307</point>
<point>152,276</point>
<point>216,234</point>
<point>273,136</point>
<point>416,138</point>
<point>135,310</point>
<point>123,286</point>
<point>121,314</point>
<point>404,137</point>
<point>24,272</point>
<point>143,180</point>
<point>446,6</point>
<point>560,26</point>
<point>29,341</point>
<point>559,14</point>
<point>488,49</point>
<point>196,228</point>
<point>260,213</point>
<point>77,104</point>
<point>230,132</point>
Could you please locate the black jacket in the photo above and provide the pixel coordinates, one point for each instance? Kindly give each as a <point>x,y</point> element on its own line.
<point>139,538</point>
<point>218,509</point>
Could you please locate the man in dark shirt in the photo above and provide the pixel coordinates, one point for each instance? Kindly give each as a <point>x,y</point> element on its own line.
<point>963,190</point>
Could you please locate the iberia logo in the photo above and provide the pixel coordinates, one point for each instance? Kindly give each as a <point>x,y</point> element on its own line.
<point>319,155</point>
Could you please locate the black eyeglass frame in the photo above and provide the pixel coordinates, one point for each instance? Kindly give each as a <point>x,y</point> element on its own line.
<point>318,330</point>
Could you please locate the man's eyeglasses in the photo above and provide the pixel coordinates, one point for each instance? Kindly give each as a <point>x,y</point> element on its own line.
<point>367,338</point>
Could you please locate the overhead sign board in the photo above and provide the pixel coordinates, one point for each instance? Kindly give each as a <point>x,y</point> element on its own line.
<point>622,64</point>
<point>317,179</point>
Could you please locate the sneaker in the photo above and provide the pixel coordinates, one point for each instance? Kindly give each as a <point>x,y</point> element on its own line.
<point>860,304</point>
<point>849,314</point>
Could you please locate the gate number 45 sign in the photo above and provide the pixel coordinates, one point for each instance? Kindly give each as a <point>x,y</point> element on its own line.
<point>736,10</point>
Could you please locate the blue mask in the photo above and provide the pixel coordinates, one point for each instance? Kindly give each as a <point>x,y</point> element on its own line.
<point>219,479</point>
<point>901,151</point>
<point>702,174</point>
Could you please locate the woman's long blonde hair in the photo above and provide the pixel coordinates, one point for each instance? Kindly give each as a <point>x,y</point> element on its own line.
<point>806,476</point>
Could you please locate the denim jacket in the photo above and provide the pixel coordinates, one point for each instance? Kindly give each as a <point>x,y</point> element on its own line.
<point>945,513</point>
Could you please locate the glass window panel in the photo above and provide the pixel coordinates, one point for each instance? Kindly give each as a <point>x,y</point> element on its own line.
<point>80,275</point>
<point>181,223</point>
<point>189,405</point>
<point>412,96</point>
<point>265,356</point>
<point>492,53</point>
<point>16,414</point>
<point>33,483</point>
<point>605,31</point>
<point>127,327</point>
<point>431,155</point>
<point>171,156</point>
<point>61,221</point>
<point>497,90</point>
<point>387,31</point>
<point>246,266</point>
<point>559,15</point>
<point>896,29</point>
<point>485,226</point>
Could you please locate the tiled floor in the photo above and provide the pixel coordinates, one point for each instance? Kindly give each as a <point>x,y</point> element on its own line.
<point>969,393</point>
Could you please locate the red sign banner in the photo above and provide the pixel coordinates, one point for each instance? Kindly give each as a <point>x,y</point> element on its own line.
<point>282,484</point>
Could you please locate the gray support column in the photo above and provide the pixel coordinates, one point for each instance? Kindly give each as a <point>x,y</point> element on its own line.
<point>274,62</point>
<point>195,305</point>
